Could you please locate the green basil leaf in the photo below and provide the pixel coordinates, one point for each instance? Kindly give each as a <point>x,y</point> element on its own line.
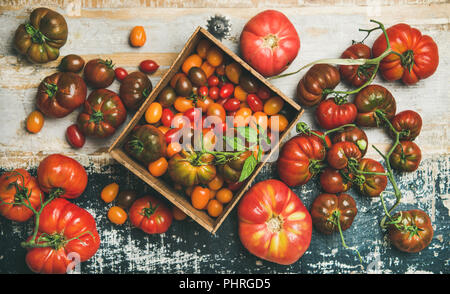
<point>250,134</point>
<point>249,165</point>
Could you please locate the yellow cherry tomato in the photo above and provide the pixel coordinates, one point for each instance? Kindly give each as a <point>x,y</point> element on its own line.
<point>109,192</point>
<point>192,61</point>
<point>35,122</point>
<point>273,105</point>
<point>214,208</point>
<point>117,215</point>
<point>158,167</point>
<point>214,56</point>
<point>224,195</point>
<point>153,113</point>
<point>240,94</point>
<point>281,125</point>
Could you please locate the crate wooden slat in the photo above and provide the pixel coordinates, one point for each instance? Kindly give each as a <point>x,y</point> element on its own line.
<point>210,224</point>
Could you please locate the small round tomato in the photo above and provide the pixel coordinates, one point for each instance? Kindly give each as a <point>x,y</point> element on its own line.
<point>216,183</point>
<point>110,192</point>
<point>126,198</point>
<point>259,119</point>
<point>214,56</point>
<point>235,186</point>
<point>263,93</point>
<point>75,137</point>
<point>224,195</point>
<point>254,103</point>
<point>173,148</point>
<point>226,90</point>
<point>158,167</point>
<point>200,197</point>
<point>213,81</point>
<point>153,113</point>
<point>232,104</point>
<point>233,72</point>
<point>242,117</point>
<point>120,73</point>
<point>409,123</point>
<point>35,122</point>
<point>208,69</point>
<point>182,104</point>
<point>178,214</point>
<point>138,36</point>
<point>202,47</point>
<point>273,105</point>
<point>117,215</point>
<point>335,181</point>
<point>203,92</point>
<point>204,104</point>
<point>148,66</point>
<point>214,208</point>
<point>240,94</point>
<point>167,117</point>
<point>406,156</point>
<point>172,135</point>
<point>214,93</point>
<point>192,61</point>
<point>278,123</point>
<point>217,110</point>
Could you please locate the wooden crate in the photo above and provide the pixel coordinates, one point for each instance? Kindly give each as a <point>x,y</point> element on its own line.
<point>166,189</point>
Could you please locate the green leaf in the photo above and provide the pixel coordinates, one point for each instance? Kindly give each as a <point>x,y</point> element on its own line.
<point>249,165</point>
<point>250,134</point>
<point>235,142</point>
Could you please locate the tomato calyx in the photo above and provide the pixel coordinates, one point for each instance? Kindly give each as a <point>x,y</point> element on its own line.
<point>413,230</point>
<point>315,166</point>
<point>270,41</point>
<point>148,211</point>
<point>407,59</point>
<point>136,145</point>
<point>107,62</point>
<point>51,89</point>
<point>36,35</point>
<point>97,117</point>
<point>275,224</point>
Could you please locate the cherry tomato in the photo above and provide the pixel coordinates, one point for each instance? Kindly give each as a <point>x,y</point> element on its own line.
<point>203,91</point>
<point>35,122</point>
<point>180,120</point>
<point>263,93</point>
<point>202,47</point>
<point>178,214</point>
<point>213,81</point>
<point>109,192</point>
<point>173,148</point>
<point>242,117</point>
<point>120,73</point>
<point>208,69</point>
<point>216,183</point>
<point>214,93</point>
<point>214,56</point>
<point>226,90</point>
<point>148,66</point>
<point>259,118</point>
<point>138,36</point>
<point>224,195</point>
<point>240,94</point>
<point>193,114</point>
<point>235,186</point>
<point>233,72</point>
<point>158,167</point>
<point>126,198</point>
<point>254,103</point>
<point>204,104</point>
<point>182,104</point>
<point>214,208</point>
<point>167,117</point>
<point>117,215</point>
<point>192,61</point>
<point>279,126</point>
<point>171,135</point>
<point>273,105</point>
<point>75,137</point>
<point>153,113</point>
<point>232,104</point>
<point>200,197</point>
<point>217,110</point>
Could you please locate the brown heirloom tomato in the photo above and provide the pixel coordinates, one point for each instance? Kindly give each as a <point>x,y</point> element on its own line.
<point>341,153</point>
<point>41,38</point>
<point>301,158</point>
<point>150,215</point>
<point>335,180</point>
<point>134,89</point>
<point>331,113</point>
<point>412,232</point>
<point>356,75</point>
<point>61,93</point>
<point>190,169</point>
<point>231,171</point>
<point>15,186</point>
<point>103,113</point>
<point>317,78</point>
<point>62,175</point>
<point>71,63</point>
<point>370,99</point>
<point>409,123</point>
<point>146,143</point>
<point>371,185</point>
<point>167,96</point>
<point>354,135</point>
<point>99,73</point>
<point>324,212</point>
<point>406,156</point>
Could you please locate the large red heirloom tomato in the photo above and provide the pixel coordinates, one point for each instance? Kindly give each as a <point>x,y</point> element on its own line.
<point>417,57</point>
<point>62,175</point>
<point>150,215</point>
<point>67,230</point>
<point>269,42</point>
<point>17,186</point>
<point>273,223</point>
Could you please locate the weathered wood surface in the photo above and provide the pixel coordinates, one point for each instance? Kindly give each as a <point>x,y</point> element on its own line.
<point>326,28</point>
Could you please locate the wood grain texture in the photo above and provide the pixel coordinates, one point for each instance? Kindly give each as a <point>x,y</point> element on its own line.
<point>326,28</point>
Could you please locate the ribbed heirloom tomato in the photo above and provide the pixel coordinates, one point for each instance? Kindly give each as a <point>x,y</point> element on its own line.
<point>333,113</point>
<point>273,223</point>
<point>64,230</point>
<point>150,215</point>
<point>269,42</point>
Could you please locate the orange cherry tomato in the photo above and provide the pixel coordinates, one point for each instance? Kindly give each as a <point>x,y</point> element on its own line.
<point>280,126</point>
<point>214,56</point>
<point>217,110</point>
<point>273,105</point>
<point>178,214</point>
<point>192,61</point>
<point>109,192</point>
<point>240,94</point>
<point>173,148</point>
<point>204,104</point>
<point>242,117</point>
<point>182,104</point>
<point>180,121</point>
<point>214,208</point>
<point>202,48</point>
<point>200,197</point>
<point>224,195</point>
<point>153,113</point>
<point>117,215</point>
<point>35,122</point>
<point>216,183</point>
<point>138,36</point>
<point>259,118</point>
<point>233,72</point>
<point>208,69</point>
<point>158,167</point>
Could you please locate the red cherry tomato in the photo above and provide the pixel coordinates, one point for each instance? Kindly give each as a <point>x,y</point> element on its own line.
<point>232,104</point>
<point>235,186</point>
<point>226,90</point>
<point>171,135</point>
<point>203,91</point>
<point>75,137</point>
<point>120,73</point>
<point>148,66</point>
<point>214,93</point>
<point>263,93</point>
<point>213,81</point>
<point>167,117</point>
<point>254,103</point>
<point>193,114</point>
